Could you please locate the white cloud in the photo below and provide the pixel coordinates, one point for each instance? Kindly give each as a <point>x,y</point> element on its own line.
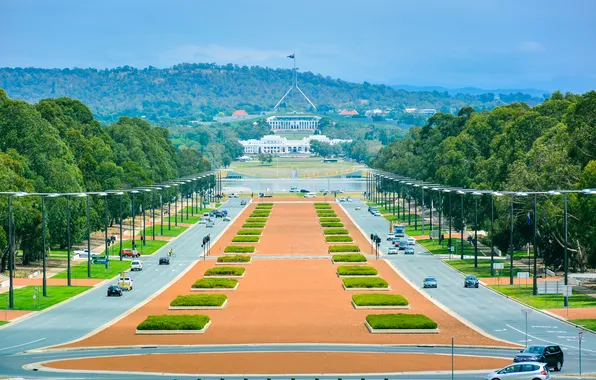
<point>531,47</point>
<point>221,54</point>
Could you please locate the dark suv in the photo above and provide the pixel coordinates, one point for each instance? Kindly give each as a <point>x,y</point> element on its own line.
<point>551,355</point>
<point>114,290</point>
<point>471,282</point>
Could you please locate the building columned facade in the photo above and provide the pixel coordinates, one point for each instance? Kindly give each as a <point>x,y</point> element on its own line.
<point>280,145</point>
<point>293,123</point>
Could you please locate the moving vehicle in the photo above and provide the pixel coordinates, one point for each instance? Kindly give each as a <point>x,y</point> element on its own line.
<point>210,224</point>
<point>268,194</point>
<point>471,282</point>
<point>393,251</point>
<point>125,283</point>
<point>226,218</point>
<point>304,191</point>
<point>411,241</point>
<point>310,195</point>
<point>218,214</point>
<point>403,244</point>
<point>429,282</point>
<point>395,242</point>
<point>128,252</point>
<point>409,251</point>
<point>349,199</point>
<point>342,199</point>
<point>114,290</point>
<point>390,236</point>
<point>399,231</point>
<point>164,261</point>
<point>357,208</point>
<point>293,189</point>
<point>136,265</point>
<point>243,202</point>
<point>525,371</point>
<point>233,195</point>
<point>551,355</point>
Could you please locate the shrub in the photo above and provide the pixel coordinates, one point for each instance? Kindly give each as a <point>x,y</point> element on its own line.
<point>265,204</point>
<point>400,321</point>
<point>376,299</point>
<point>325,225</point>
<point>375,282</point>
<point>256,220</point>
<point>356,270</point>
<point>353,258</point>
<point>321,204</point>
<point>338,239</point>
<point>329,220</point>
<point>259,214</point>
<point>325,212</point>
<point>225,271</point>
<point>253,225</point>
<point>343,248</point>
<point>199,300</point>
<point>234,258</point>
<point>215,283</point>
<point>174,322</point>
<point>335,231</point>
<point>264,208</point>
<point>245,239</point>
<point>327,215</point>
<point>249,232</point>
<point>239,249</point>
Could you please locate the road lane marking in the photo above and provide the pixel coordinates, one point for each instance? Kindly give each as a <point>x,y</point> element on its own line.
<point>548,341</point>
<point>22,344</point>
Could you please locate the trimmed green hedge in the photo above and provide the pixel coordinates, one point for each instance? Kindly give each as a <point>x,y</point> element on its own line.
<point>215,283</point>
<point>335,231</point>
<point>326,212</point>
<point>329,220</point>
<point>364,282</point>
<point>400,321</point>
<point>253,225</point>
<point>260,214</point>
<point>321,203</point>
<point>356,270</point>
<point>264,204</point>
<point>249,232</point>
<point>245,239</point>
<point>353,258</point>
<point>239,249</point>
<point>199,300</point>
<point>338,239</point>
<point>335,224</point>
<point>264,207</point>
<point>225,271</point>
<point>174,322</point>
<point>376,299</point>
<point>256,220</point>
<point>323,207</point>
<point>343,248</point>
<point>234,258</point>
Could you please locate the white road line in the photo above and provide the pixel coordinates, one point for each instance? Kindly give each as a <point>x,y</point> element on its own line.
<point>548,341</point>
<point>23,344</point>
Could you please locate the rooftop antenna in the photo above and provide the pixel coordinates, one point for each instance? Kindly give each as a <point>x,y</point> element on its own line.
<point>294,85</point>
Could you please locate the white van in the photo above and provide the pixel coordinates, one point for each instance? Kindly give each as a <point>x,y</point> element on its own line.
<point>310,195</point>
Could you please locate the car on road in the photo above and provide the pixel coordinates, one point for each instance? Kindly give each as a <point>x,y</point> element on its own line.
<point>429,282</point>
<point>471,282</point>
<point>393,251</point>
<point>409,251</point>
<point>226,218</point>
<point>218,214</point>
<point>390,236</point>
<point>164,261</point>
<point>348,199</point>
<point>125,283</point>
<point>395,241</point>
<point>411,241</point>
<point>304,191</point>
<point>525,371</point>
<point>114,291</point>
<point>127,252</point>
<point>210,224</point>
<point>233,195</point>
<point>342,199</point>
<point>136,265</point>
<point>243,202</point>
<point>550,354</point>
<point>403,244</point>
<point>357,208</point>
<point>375,213</point>
<point>310,195</point>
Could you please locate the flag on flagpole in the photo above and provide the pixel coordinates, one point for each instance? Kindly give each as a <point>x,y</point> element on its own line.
<point>291,56</point>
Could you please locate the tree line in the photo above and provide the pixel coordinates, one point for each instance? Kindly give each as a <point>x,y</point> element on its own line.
<point>518,148</point>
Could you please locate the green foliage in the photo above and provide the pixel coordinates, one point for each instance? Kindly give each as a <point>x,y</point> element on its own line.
<point>589,324</point>
<point>322,206</point>
<point>377,299</point>
<point>329,220</point>
<point>97,270</point>
<point>400,321</point>
<point>174,322</point>
<point>249,232</point>
<point>23,297</point>
<point>256,220</point>
<point>259,214</point>
<point>343,248</point>
<point>338,239</point>
<point>335,231</point>
<point>352,258</point>
<point>326,214</point>
<point>253,225</point>
<point>356,270</point>
<point>225,271</point>
<point>236,249</point>
<point>261,206</point>
<point>545,301</point>
<point>215,283</point>
<point>332,225</point>
<point>199,300</point>
<point>365,282</point>
<point>245,239</point>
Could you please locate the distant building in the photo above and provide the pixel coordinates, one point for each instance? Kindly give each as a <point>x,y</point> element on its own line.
<point>240,114</point>
<point>293,123</point>
<point>348,113</point>
<point>410,110</point>
<point>281,145</point>
<point>427,111</point>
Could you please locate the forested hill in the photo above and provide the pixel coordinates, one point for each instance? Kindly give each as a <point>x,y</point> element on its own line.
<point>193,91</point>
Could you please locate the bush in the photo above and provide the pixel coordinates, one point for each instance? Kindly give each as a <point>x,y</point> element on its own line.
<point>324,225</point>
<point>338,239</point>
<point>329,220</point>
<point>321,204</point>
<point>335,231</point>
<point>253,225</point>
<point>325,212</point>
<point>234,258</point>
<point>256,220</point>
<point>400,321</point>
<point>356,270</point>
<point>199,300</point>
<point>265,204</point>
<point>375,282</point>
<point>249,232</point>
<point>225,271</point>
<point>323,207</point>
<point>215,283</point>
<point>343,248</point>
<point>259,214</point>
<point>174,322</point>
<point>353,258</point>
<point>327,215</point>
<point>376,299</point>
<point>245,239</point>
<point>239,249</point>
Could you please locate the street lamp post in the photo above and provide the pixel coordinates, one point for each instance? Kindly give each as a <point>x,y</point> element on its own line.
<point>169,209</point>
<point>134,217</point>
<point>105,201</point>
<point>121,194</point>
<point>422,210</point>
<point>511,250</point>
<point>535,279</point>
<point>88,235</point>
<point>68,243</point>
<point>461,238</point>
<point>415,207</point>
<point>476,195</point>
<point>44,249</point>
<point>11,249</point>
<point>566,257</point>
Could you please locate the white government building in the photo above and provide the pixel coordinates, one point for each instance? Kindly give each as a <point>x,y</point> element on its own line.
<point>293,123</point>
<point>281,145</point>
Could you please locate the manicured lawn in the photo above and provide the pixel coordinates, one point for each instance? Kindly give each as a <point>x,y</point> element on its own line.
<point>338,239</point>
<point>434,247</point>
<point>333,225</point>
<point>329,220</point>
<point>256,220</point>
<point>356,270</point>
<point>335,231</point>
<point>249,232</point>
<point>245,239</point>
<point>483,270</point>
<point>23,297</point>
<point>149,249</point>
<point>172,231</point>
<point>377,299</point>
<point>349,258</point>
<point>190,220</point>
<point>225,271</point>
<point>364,282</point>
<point>238,249</point>
<point>400,321</point>
<point>343,248</point>
<point>523,293</point>
<point>411,231</point>
<point>3,322</point>
<point>587,323</point>
<point>60,253</point>
<point>253,225</point>
<point>234,259</point>
<point>403,218</point>
<point>199,300</point>
<point>215,283</point>
<point>97,270</point>
<point>174,322</point>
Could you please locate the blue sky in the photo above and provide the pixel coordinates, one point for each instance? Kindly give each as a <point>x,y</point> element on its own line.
<point>453,43</point>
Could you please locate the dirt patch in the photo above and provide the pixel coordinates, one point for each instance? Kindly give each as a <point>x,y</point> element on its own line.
<point>281,363</point>
<point>516,281</point>
<point>57,281</point>
<point>9,315</point>
<point>583,313</point>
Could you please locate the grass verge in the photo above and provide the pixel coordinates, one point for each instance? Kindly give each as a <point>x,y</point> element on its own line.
<point>335,231</point>
<point>338,239</point>
<point>249,232</point>
<point>364,282</point>
<point>23,297</point>
<point>256,220</point>
<point>174,322</point>
<point>215,283</point>
<point>239,249</point>
<point>586,323</point>
<point>523,294</point>
<point>225,271</point>
<point>234,259</point>
<point>356,270</point>
<point>329,220</point>
<point>483,270</point>
<point>343,248</point>
<point>97,270</point>
<point>150,245</point>
<point>253,225</point>
<point>172,231</point>
<point>199,300</point>
<point>350,258</point>
<point>245,239</point>
<point>376,299</point>
<point>400,321</point>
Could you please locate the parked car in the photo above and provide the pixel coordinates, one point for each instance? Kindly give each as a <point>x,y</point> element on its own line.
<point>393,251</point>
<point>357,208</point>
<point>310,195</point>
<point>136,265</point>
<point>349,199</point>
<point>430,282</point>
<point>164,261</point>
<point>114,290</point>
<point>390,236</point>
<point>403,244</point>
<point>127,252</point>
<point>411,241</point>
<point>529,371</point>
<point>243,202</point>
<point>409,251</point>
<point>551,355</point>
<point>471,282</point>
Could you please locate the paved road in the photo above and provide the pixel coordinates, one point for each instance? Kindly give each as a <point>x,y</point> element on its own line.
<point>483,307</point>
<point>93,309</point>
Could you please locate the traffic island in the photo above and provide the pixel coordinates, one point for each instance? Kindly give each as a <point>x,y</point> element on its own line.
<point>253,225</point>
<point>343,249</point>
<point>255,220</point>
<point>400,324</point>
<point>234,249</point>
<point>245,239</point>
<point>353,258</point>
<point>173,325</point>
<point>225,272</point>
<point>335,231</point>
<point>214,284</point>
<point>233,259</point>
<point>249,232</point>
<point>379,301</point>
<point>332,225</point>
<point>338,239</point>
<point>356,271</point>
<point>361,283</point>
<point>199,302</point>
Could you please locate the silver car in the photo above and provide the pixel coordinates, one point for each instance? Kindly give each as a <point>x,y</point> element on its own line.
<point>429,282</point>
<point>525,371</point>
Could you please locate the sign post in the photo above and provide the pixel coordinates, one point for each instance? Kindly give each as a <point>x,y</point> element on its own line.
<point>525,312</point>
<point>580,335</point>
